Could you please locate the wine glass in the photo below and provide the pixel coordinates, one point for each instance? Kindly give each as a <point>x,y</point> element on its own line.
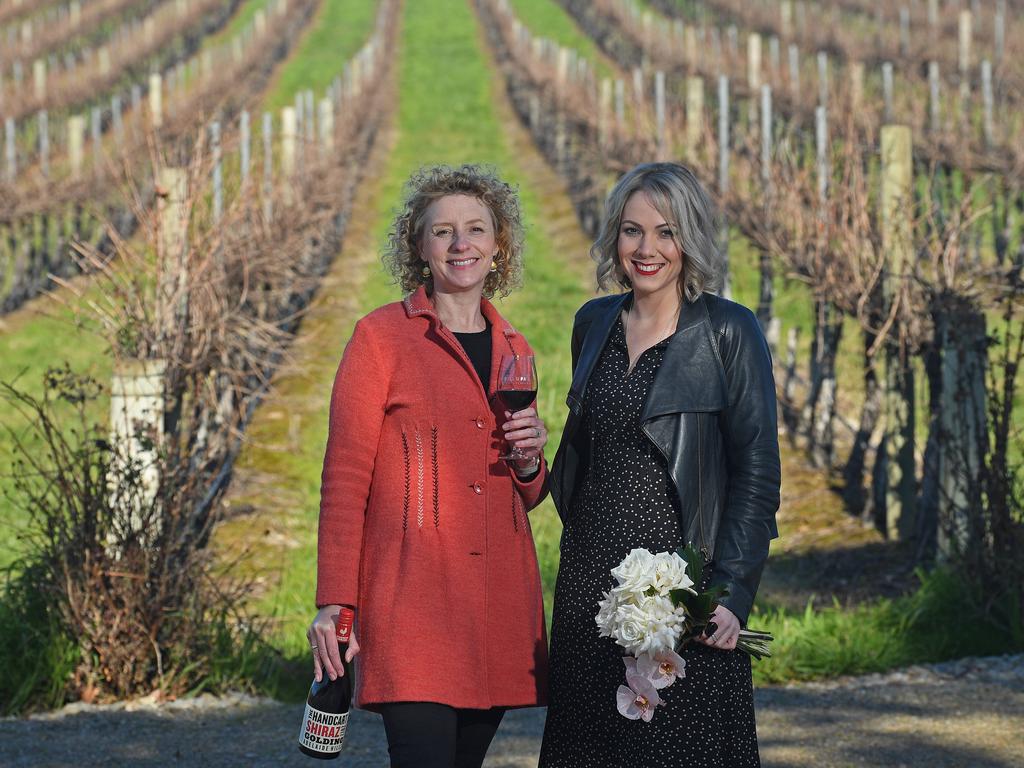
<point>517,388</point>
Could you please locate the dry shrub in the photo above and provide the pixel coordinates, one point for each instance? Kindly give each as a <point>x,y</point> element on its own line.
<point>113,570</point>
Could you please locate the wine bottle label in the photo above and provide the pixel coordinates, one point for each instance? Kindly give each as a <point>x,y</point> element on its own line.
<point>323,731</point>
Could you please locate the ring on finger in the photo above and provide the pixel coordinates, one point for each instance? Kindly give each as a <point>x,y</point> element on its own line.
<point>536,432</point>
<point>313,648</point>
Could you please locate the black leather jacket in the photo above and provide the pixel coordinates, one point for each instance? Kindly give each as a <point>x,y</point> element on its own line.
<point>712,412</point>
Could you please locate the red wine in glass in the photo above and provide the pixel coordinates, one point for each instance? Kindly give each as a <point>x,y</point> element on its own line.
<point>517,399</point>
<point>517,389</point>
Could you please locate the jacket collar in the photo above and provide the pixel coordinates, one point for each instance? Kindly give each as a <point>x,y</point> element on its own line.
<point>504,338</point>
<point>418,304</point>
<point>684,381</point>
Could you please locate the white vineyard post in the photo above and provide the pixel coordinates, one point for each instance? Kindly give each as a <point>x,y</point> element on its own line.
<point>766,135</point>
<point>96,139</point>
<point>10,150</point>
<point>659,112</point>
<point>822,79</point>
<point>887,92</point>
<point>794,71</point>
<point>988,124</point>
<point>76,138</point>
<point>137,405</point>
<point>218,172</point>
<point>326,125</point>
<point>897,244</point>
<point>268,167</point>
<point>723,172</point>
<point>753,72</point>
<point>244,147</point>
<point>156,103</point>
<point>694,115</point>
<point>604,113</point>
<point>44,143</point>
<point>904,31</point>
<point>39,80</point>
<point>620,104</point>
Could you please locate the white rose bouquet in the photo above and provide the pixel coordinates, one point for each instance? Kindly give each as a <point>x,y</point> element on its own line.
<point>652,612</point>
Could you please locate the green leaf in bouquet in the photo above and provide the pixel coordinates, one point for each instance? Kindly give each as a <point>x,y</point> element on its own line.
<point>683,597</point>
<point>694,563</point>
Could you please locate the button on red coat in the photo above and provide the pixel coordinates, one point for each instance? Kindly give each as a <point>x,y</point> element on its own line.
<point>477,488</point>
<point>479,423</point>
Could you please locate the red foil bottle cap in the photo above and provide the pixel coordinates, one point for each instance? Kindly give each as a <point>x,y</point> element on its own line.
<point>345,618</point>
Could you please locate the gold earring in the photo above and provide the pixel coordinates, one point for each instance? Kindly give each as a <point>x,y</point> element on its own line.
<point>426,270</point>
<point>494,266</point>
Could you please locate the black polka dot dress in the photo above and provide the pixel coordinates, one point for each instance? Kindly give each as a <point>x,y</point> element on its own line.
<point>627,500</point>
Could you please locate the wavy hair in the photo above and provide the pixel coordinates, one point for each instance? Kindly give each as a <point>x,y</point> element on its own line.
<point>401,255</point>
<point>677,194</point>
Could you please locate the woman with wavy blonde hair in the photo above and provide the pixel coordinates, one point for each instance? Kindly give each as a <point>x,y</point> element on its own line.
<point>671,439</point>
<point>423,528</point>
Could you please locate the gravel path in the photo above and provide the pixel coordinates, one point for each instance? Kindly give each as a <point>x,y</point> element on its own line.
<point>964,713</point>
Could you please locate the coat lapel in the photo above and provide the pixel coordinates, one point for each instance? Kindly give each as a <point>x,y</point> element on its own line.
<point>597,336</point>
<point>691,377</point>
<point>504,338</point>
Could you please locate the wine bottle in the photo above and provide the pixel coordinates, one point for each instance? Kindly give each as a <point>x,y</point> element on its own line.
<point>327,707</point>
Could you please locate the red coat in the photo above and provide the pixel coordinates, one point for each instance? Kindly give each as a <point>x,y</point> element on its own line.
<point>422,527</point>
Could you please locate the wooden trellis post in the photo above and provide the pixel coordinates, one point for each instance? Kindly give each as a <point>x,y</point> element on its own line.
<point>44,143</point>
<point>659,114</point>
<point>172,299</point>
<point>966,30</point>
<point>76,138</point>
<point>822,79</point>
<point>934,103</point>
<point>988,123</point>
<point>899,520</point>
<point>857,84</point>
<point>963,422</point>
<point>326,126</point>
<point>887,88</point>
<point>604,115</point>
<point>96,139</point>
<point>904,31</point>
<point>289,137</point>
<point>10,151</point>
<point>794,70</point>
<point>156,103</point>
<point>137,403</point>
<point>753,72</point>
<point>766,135</point>
<point>244,147</point>
<point>39,80</point>
<point>723,173</point>
<point>620,103</point>
<point>694,115</point>
<point>218,172</point>
<point>268,166</point>
<point>999,31</point>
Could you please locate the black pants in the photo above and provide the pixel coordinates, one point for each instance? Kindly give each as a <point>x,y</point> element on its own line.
<point>427,735</point>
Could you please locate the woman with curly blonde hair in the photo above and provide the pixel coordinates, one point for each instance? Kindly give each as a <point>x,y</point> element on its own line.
<point>423,528</point>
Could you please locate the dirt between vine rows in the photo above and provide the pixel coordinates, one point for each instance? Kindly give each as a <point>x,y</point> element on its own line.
<point>968,712</point>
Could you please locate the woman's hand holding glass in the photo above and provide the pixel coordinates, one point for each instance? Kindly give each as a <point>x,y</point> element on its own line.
<point>527,436</point>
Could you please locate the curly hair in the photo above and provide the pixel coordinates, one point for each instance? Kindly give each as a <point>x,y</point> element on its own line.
<point>678,195</point>
<point>401,255</point>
